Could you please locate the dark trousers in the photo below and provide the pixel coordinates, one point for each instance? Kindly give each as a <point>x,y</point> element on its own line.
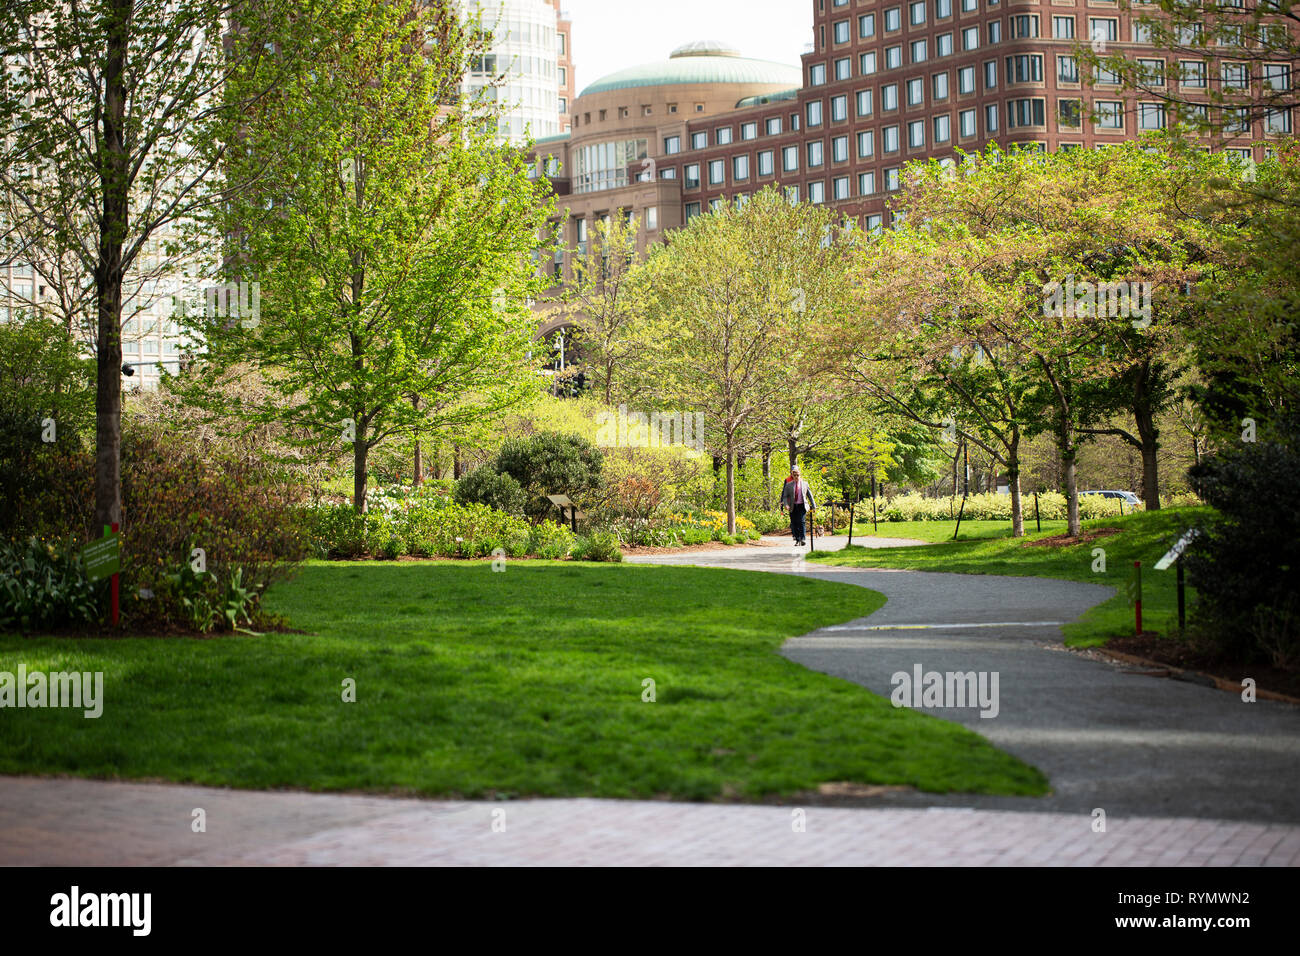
<point>797,513</point>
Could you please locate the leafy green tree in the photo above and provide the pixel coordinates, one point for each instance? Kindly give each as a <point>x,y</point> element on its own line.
<point>394,242</point>
<point>551,463</point>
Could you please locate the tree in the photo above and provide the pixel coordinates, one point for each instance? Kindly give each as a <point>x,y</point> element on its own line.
<point>394,240</point>
<point>119,123</point>
<point>734,295</point>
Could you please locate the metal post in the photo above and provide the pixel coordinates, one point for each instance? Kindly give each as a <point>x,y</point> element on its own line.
<point>1037,520</point>
<point>874,527</point>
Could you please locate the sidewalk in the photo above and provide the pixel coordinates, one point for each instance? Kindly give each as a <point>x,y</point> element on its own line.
<point>65,822</point>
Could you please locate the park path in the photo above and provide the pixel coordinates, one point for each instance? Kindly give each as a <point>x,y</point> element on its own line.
<point>1108,736</point>
<point>1187,776</point>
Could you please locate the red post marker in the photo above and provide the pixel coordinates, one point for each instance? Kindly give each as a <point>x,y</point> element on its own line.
<point>116,605</point>
<point>1137,601</point>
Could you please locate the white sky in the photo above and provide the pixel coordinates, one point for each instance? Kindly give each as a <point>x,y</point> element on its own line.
<point>609,35</point>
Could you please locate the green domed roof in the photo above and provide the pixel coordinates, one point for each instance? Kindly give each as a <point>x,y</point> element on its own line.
<point>701,62</point>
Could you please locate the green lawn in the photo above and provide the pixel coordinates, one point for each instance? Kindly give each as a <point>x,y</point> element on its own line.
<point>1145,537</point>
<point>527,682</point>
<point>938,531</point>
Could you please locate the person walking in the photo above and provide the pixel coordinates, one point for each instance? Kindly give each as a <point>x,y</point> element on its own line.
<point>798,497</point>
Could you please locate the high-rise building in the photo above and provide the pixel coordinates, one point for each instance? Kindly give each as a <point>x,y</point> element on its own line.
<point>531,54</point>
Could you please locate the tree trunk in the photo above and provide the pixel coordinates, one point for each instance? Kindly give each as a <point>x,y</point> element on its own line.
<point>1150,435</point>
<point>360,455</point>
<point>792,446</point>
<point>1013,481</point>
<point>731,489</point>
<point>767,477</point>
<point>1068,454</point>
<point>455,462</point>
<point>108,274</point>
<point>419,457</point>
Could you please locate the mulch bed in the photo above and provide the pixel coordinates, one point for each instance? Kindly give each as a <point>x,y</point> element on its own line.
<point>686,549</point>
<point>1066,541</point>
<point>1179,655</point>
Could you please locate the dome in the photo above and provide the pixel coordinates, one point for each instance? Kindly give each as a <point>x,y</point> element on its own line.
<point>702,62</point>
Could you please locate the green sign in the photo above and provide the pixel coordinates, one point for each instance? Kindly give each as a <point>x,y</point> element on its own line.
<point>103,557</point>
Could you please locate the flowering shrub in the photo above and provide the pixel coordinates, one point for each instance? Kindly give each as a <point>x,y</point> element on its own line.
<point>991,507</point>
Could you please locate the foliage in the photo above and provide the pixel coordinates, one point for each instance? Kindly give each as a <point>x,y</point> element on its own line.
<point>492,488</point>
<point>43,585</point>
<point>550,463</point>
<point>1051,506</point>
<point>598,546</point>
<point>1245,566</point>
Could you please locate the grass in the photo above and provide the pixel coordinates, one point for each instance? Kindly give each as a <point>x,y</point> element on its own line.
<point>939,531</point>
<point>471,683</point>
<point>1145,537</point>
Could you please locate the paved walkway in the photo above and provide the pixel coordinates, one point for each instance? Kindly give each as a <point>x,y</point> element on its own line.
<point>1106,735</point>
<point>83,822</point>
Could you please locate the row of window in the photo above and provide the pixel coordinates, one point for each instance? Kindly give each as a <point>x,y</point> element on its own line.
<point>1019,113</point>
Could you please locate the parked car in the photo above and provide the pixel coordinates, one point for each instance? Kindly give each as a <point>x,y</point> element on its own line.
<point>1127,497</point>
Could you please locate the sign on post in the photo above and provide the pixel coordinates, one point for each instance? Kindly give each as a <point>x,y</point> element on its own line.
<point>103,557</point>
<point>1177,550</point>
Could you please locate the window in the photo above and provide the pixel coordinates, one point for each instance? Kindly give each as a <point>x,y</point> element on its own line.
<point>891,179</point>
<point>966,123</point>
<point>893,57</point>
<point>990,119</point>
<point>916,12</point>
<point>692,210</point>
<point>966,79</point>
<point>1110,114</point>
<point>864,102</point>
<point>942,9</point>
<point>816,154</point>
<point>1024,26</point>
<point>918,51</point>
<point>939,86</point>
<point>873,222</point>
<point>889,139</point>
<point>1192,73</point>
<point>889,96</point>
<point>739,168</point>
<point>772,125</point>
<point>841,31</point>
<point>942,128</point>
<point>1105,77</point>
<point>1277,76</point>
<point>672,145</point>
<point>817,74</point>
<point>1069,113</point>
<point>1141,32</point>
<point>749,131</point>
<point>1103,29</point>
<point>717,172</point>
<point>668,172</point>
<point>867,64</point>
<point>817,192</point>
<point>916,134</point>
<point>1235,76</point>
<point>790,159</point>
<point>970,38</point>
<point>839,108</point>
<point>1236,120</point>
<point>1151,116</point>
<point>843,68</point>
<point>1277,122</point>
<point>1025,68</point>
<point>1067,69</point>
<point>691,176</point>
<point>840,149</point>
<point>1063,28</point>
<point>792,194</point>
<point>969,6</point>
<point>1189,34</point>
<point>893,19</point>
<point>1152,72</point>
<point>722,136</point>
<point>915,92</point>
<point>652,218</point>
<point>995,32</point>
<point>866,184</point>
<point>815,113</point>
<point>840,188</point>
<point>699,140</point>
<point>943,44</point>
<point>867,26</point>
<point>991,75</point>
<point>766,162</point>
<point>1025,112</point>
<point>866,144</point>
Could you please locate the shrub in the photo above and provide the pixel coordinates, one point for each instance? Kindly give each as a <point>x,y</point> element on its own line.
<point>337,531</point>
<point>44,585</point>
<point>1245,566</point>
<point>488,487</point>
<point>551,540</point>
<point>598,546</point>
<point>550,463</point>
<point>768,522</point>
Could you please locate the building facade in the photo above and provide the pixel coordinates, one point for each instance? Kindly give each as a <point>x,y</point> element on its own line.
<point>529,68</point>
<point>883,82</point>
